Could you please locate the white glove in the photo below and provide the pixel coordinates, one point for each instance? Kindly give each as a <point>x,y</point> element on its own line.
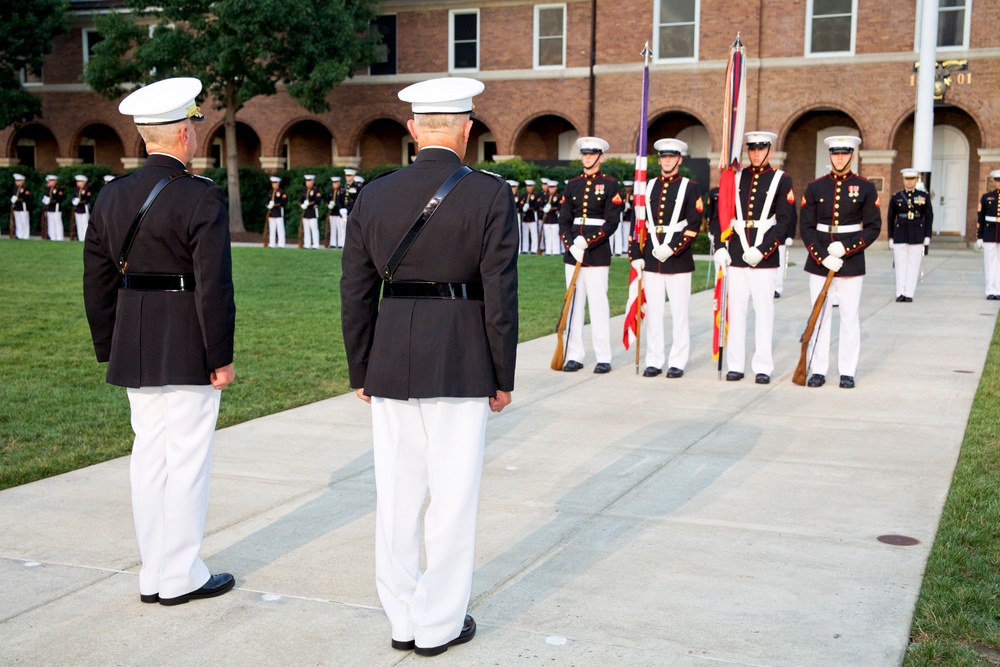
<point>343,213</point>
<point>722,257</point>
<point>833,263</point>
<point>45,200</point>
<point>753,256</point>
<point>890,244</point>
<point>577,252</point>
<point>836,249</point>
<point>546,208</point>
<point>979,244</point>
<point>76,200</point>
<point>525,208</point>
<point>927,240</point>
<point>329,205</point>
<point>304,205</point>
<point>663,253</point>
<point>639,264</point>
<point>580,242</point>
<point>789,241</point>
<point>13,199</point>
<point>270,205</point>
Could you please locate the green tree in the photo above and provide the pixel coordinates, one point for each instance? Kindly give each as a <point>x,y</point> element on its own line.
<point>239,49</point>
<point>26,31</point>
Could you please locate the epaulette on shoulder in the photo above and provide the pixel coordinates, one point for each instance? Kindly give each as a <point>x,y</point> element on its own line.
<point>576,178</point>
<point>490,173</point>
<point>384,173</point>
<point>204,178</point>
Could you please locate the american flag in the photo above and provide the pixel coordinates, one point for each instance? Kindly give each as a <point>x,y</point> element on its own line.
<point>636,301</point>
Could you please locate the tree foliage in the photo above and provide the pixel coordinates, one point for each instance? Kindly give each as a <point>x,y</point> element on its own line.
<point>239,49</point>
<point>26,31</point>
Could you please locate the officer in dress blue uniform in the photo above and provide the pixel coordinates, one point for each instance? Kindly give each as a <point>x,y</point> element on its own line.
<point>20,204</point>
<point>589,213</point>
<point>164,322</point>
<point>988,236</point>
<point>839,219</point>
<point>81,206</point>
<point>337,222</point>
<point>51,202</point>
<point>311,198</point>
<point>673,218</point>
<point>529,204</point>
<point>433,358</point>
<point>765,210</point>
<point>910,218</point>
<point>276,201</point>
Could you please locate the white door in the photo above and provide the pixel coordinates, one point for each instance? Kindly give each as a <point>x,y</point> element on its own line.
<point>823,153</point>
<point>949,179</point>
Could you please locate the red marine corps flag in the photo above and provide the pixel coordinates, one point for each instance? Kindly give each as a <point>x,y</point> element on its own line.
<point>733,123</point>
<point>636,297</point>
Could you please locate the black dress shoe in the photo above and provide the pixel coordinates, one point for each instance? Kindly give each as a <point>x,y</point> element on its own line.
<point>651,372</point>
<point>908,299</point>
<point>733,376</point>
<point>467,633</point>
<point>674,372</point>
<point>762,378</point>
<point>900,299</point>
<point>148,599</point>
<point>572,366</point>
<point>846,382</point>
<point>404,646</point>
<point>602,368</point>
<point>989,297</point>
<point>777,295</point>
<point>816,380</point>
<point>217,584</point>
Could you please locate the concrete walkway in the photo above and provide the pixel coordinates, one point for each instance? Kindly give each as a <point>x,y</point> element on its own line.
<point>623,521</point>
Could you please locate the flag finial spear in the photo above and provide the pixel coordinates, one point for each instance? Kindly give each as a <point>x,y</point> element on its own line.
<point>645,50</point>
<point>737,44</point>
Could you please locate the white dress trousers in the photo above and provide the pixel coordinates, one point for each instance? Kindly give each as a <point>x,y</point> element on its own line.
<point>170,472</point>
<point>276,232</point>
<point>310,233</point>
<point>847,292</point>
<point>82,222</point>
<point>592,290</point>
<point>54,220</point>
<point>677,287</point>
<point>746,284</point>
<point>779,277</point>
<point>22,224</point>
<point>991,267</point>
<point>529,237</point>
<point>907,257</point>
<point>553,244</point>
<point>430,446</point>
<point>338,228</point>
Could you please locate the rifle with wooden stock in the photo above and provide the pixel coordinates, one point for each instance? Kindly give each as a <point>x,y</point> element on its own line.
<point>267,225</point>
<point>301,223</point>
<point>799,377</point>
<point>559,355</point>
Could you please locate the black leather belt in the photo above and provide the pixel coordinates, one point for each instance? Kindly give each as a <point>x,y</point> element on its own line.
<point>158,282</point>
<point>429,290</point>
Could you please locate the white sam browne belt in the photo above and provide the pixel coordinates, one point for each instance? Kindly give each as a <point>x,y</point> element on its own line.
<point>838,229</point>
<point>990,218</point>
<point>588,221</point>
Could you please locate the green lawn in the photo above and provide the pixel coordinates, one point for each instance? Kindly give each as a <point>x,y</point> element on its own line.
<point>58,413</point>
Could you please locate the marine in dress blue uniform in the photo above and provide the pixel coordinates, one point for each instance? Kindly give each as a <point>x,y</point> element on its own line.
<point>433,358</point>
<point>673,218</point>
<point>529,205</point>
<point>910,219</point>
<point>838,220</point>
<point>589,214</point>
<point>51,202</point>
<point>20,205</point>
<point>765,210</point>
<point>165,325</point>
<point>311,199</point>
<point>275,204</point>
<point>81,206</point>
<point>988,236</point>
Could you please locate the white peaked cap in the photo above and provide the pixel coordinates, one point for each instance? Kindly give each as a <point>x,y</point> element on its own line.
<point>512,183</point>
<point>164,102</point>
<point>108,178</point>
<point>909,172</point>
<point>350,171</point>
<point>452,94</point>
<point>842,142</point>
<point>360,179</point>
<point>51,177</point>
<point>276,179</point>
<point>592,144</point>
<point>670,147</point>
<point>628,183</point>
<point>80,177</point>
<point>335,179</point>
<point>309,177</point>
<point>529,182</point>
<point>18,177</point>
<point>995,174</point>
<point>760,137</point>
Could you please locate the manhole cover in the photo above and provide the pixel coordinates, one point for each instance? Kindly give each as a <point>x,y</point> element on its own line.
<point>898,540</point>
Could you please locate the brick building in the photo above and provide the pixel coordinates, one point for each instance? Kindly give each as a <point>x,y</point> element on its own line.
<point>555,71</point>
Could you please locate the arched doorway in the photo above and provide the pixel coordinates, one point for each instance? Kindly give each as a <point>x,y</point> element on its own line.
<point>385,141</point>
<point>546,140</point>
<point>690,130</point>
<point>307,143</point>
<point>35,147</point>
<point>98,143</point>
<point>807,155</point>
<point>247,146</point>
<point>482,145</point>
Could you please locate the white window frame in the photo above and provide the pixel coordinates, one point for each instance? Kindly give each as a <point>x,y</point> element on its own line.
<point>656,35</point>
<point>22,75</point>
<point>537,37</point>
<point>85,40</point>
<point>452,13</point>
<point>826,54</point>
<point>966,28</point>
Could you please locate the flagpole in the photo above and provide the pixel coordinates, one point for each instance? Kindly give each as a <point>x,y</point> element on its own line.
<point>639,207</point>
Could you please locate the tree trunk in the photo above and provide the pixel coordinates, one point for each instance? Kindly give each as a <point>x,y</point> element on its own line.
<point>232,163</point>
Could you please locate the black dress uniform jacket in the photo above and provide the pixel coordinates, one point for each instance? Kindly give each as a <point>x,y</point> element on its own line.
<point>84,196</point>
<point>989,207</point>
<point>426,348</point>
<point>280,199</point>
<point>662,194</point>
<point>23,197</point>
<point>350,196</point>
<point>754,185</point>
<point>535,203</point>
<point>312,197</point>
<point>553,202</point>
<point>152,339</point>
<point>594,196</point>
<point>910,217</point>
<point>835,201</point>
<point>56,196</point>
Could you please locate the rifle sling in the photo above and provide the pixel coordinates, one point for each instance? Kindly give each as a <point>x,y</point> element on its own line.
<point>130,236</point>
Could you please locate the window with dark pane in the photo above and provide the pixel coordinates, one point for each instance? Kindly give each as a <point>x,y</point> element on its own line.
<point>385,27</point>
<point>951,23</point>
<point>550,37</point>
<point>832,26</point>
<point>465,32</point>
<point>678,23</point>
